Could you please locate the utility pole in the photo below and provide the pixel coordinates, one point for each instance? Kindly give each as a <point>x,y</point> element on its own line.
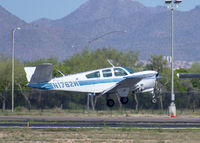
<point>13,65</point>
<point>172,4</point>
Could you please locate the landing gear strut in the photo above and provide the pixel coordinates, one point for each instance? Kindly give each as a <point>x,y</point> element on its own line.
<point>154,98</point>
<point>155,95</point>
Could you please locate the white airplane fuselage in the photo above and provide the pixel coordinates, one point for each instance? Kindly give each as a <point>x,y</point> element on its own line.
<point>114,80</point>
<point>80,83</point>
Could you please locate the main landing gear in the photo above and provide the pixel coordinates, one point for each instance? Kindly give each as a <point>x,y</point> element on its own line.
<point>124,100</point>
<point>111,103</point>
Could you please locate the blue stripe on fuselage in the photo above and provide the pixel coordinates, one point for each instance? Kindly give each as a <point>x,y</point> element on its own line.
<point>99,81</point>
<point>40,85</point>
<point>69,84</point>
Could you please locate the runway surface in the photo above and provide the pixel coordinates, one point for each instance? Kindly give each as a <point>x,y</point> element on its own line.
<point>115,122</point>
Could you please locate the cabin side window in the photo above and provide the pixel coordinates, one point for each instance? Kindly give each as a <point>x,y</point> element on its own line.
<point>93,75</point>
<point>119,72</point>
<point>107,73</point>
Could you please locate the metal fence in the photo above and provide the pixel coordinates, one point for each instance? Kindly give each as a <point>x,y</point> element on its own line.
<point>43,99</point>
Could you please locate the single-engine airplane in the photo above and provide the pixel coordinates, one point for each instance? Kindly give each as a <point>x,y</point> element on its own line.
<point>106,81</point>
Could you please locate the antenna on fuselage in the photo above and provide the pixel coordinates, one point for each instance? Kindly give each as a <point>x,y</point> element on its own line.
<point>110,62</point>
<point>61,73</point>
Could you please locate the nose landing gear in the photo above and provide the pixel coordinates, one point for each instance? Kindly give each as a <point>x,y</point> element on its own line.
<point>155,96</point>
<point>154,100</point>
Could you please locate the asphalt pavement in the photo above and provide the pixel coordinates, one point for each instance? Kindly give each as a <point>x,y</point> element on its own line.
<point>96,122</point>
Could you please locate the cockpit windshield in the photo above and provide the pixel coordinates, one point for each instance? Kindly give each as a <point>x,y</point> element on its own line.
<point>129,70</point>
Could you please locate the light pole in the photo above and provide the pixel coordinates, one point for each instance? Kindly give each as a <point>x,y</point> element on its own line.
<point>172,5</point>
<point>95,39</point>
<point>13,64</point>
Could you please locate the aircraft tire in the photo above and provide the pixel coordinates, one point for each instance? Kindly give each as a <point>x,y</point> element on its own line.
<point>124,100</point>
<point>110,103</point>
<point>154,100</point>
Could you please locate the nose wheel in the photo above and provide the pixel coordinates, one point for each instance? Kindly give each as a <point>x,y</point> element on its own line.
<point>154,100</point>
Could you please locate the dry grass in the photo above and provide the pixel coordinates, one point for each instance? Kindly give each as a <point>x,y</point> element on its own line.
<point>106,135</point>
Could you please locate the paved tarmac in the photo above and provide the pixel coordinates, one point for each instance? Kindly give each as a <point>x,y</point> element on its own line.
<point>130,122</point>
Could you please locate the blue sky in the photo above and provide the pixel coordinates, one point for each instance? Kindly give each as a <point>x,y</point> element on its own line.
<point>30,10</point>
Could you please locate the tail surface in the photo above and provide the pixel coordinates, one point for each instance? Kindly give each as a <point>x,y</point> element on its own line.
<point>39,74</point>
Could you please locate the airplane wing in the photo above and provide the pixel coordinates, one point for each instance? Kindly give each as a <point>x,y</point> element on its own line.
<point>127,82</point>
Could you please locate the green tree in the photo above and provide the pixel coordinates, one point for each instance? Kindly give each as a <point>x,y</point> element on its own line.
<point>157,63</point>
<point>6,77</point>
<point>98,59</point>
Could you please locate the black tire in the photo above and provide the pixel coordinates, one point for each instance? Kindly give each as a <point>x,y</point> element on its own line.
<point>154,100</point>
<point>124,100</point>
<point>110,103</point>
